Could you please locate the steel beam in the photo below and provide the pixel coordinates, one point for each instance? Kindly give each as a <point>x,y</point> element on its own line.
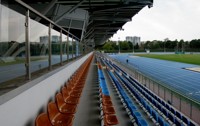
<point>69,11</point>
<point>110,18</point>
<point>46,10</point>
<point>108,28</point>
<point>42,16</point>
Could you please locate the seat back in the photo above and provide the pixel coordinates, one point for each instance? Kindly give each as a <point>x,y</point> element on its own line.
<point>42,120</point>
<point>52,111</point>
<point>59,100</point>
<point>65,93</point>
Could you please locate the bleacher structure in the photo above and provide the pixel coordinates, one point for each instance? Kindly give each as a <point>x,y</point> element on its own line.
<point>142,106</point>
<point>61,112</point>
<point>156,108</point>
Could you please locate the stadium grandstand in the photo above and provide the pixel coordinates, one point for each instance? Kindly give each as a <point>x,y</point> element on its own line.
<point>50,74</point>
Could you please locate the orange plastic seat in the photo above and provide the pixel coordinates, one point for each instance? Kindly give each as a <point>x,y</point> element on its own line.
<point>64,107</point>
<point>110,120</point>
<point>67,94</point>
<point>75,94</point>
<point>71,100</point>
<point>58,119</point>
<point>107,102</point>
<point>42,120</point>
<point>70,88</point>
<point>106,97</point>
<point>108,110</point>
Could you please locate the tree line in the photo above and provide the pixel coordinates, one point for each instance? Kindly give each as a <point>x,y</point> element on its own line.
<point>155,45</point>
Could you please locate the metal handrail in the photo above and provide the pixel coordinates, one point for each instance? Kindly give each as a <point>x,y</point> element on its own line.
<point>44,17</point>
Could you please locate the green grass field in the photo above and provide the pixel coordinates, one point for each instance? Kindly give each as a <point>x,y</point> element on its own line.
<point>184,58</point>
<point>21,60</point>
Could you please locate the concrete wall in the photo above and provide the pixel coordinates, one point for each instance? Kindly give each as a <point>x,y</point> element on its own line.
<point>21,110</point>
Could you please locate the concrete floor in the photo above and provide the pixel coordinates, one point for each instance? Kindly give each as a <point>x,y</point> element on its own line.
<point>88,111</point>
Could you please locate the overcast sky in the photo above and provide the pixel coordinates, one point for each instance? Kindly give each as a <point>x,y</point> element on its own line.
<point>173,19</point>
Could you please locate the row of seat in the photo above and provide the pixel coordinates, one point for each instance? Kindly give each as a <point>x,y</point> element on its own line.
<point>156,117</point>
<point>152,111</point>
<point>108,114</point>
<point>61,112</point>
<point>174,115</point>
<point>158,102</point>
<point>132,110</point>
<point>169,111</point>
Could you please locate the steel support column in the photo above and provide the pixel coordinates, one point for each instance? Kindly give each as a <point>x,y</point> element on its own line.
<point>68,47</point>
<point>61,51</point>
<point>72,49</point>
<point>49,45</point>
<point>27,44</point>
<point>77,47</point>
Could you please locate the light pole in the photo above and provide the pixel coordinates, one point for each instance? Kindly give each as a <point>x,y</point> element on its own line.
<point>133,47</point>
<point>119,43</point>
<point>165,40</point>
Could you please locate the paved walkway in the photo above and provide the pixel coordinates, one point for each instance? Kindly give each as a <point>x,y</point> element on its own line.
<point>88,111</point>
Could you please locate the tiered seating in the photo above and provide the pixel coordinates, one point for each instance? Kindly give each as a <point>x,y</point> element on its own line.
<point>132,110</point>
<point>156,118</point>
<point>163,106</point>
<point>156,103</point>
<point>107,110</point>
<point>61,112</point>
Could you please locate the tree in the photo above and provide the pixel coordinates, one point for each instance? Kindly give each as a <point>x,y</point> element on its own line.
<point>136,46</point>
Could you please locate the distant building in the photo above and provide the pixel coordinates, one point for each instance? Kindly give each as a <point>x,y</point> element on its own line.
<point>133,39</point>
<point>45,39</point>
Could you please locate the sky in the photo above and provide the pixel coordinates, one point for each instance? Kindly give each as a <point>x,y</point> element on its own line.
<point>172,19</point>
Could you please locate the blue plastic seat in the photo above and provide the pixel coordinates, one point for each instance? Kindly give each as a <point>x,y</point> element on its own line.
<point>137,116</point>
<point>191,124</point>
<point>178,115</point>
<point>163,103</point>
<point>177,122</point>
<point>159,107</point>
<point>173,111</point>
<point>166,124</point>
<point>168,107</point>
<point>185,120</point>
<point>154,103</point>
<point>165,112</point>
<point>154,114</point>
<point>144,104</point>
<point>142,122</point>
<point>171,117</point>
<point>160,121</point>
<point>149,109</point>
<point>159,100</point>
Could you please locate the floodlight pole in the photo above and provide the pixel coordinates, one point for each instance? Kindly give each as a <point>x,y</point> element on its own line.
<point>119,44</point>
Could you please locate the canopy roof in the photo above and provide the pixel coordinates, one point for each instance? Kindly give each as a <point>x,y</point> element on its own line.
<point>92,21</point>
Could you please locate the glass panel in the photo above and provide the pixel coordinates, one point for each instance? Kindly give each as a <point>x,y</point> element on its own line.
<point>38,45</point>
<point>77,46</point>
<point>12,44</point>
<point>64,47</point>
<point>70,48</point>
<point>55,45</point>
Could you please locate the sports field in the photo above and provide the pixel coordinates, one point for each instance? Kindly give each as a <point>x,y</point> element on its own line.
<point>184,58</point>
